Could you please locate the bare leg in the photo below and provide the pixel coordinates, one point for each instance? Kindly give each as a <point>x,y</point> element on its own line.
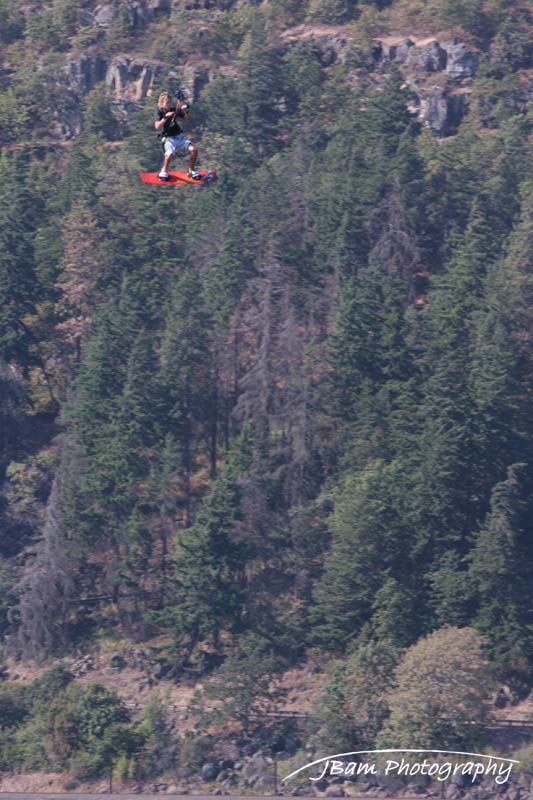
<point>193,150</point>
<point>166,163</point>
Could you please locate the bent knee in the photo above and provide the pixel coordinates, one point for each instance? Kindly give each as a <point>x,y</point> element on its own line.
<point>193,148</point>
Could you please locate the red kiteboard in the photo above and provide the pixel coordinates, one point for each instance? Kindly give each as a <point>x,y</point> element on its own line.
<point>179,177</point>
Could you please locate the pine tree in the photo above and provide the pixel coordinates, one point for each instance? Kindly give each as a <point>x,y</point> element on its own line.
<point>78,282</point>
<point>501,570</point>
<point>451,497</point>
<point>209,570</point>
<point>501,368</point>
<point>258,89</point>
<point>368,546</point>
<point>19,287</point>
<point>353,353</point>
<point>185,382</point>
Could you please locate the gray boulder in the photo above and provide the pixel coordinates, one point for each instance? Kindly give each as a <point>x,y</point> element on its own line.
<point>431,58</point>
<point>82,665</point>
<point>461,61</point>
<point>265,782</point>
<point>117,661</point>
<point>441,110</point>
<point>209,771</point>
<point>334,791</point>
<point>331,49</point>
<point>140,12</point>
<point>257,766</point>
<point>453,792</point>
<point>104,15</point>
<point>402,50</point>
<point>397,52</point>
<point>85,71</point>
<point>132,79</point>
<point>393,786</point>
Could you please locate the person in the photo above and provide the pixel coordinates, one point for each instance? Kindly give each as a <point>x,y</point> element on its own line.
<point>166,123</point>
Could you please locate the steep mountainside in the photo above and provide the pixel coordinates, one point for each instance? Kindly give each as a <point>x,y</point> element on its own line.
<point>279,425</point>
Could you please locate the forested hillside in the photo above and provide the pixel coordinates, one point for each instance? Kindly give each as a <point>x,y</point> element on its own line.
<point>286,417</point>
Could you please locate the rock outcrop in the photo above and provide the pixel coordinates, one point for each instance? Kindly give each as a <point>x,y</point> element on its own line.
<point>441,103</point>
<point>132,79</point>
<point>461,61</point>
<point>139,12</point>
<point>84,72</point>
<point>442,109</point>
<point>129,80</point>
<point>439,72</point>
<point>430,58</point>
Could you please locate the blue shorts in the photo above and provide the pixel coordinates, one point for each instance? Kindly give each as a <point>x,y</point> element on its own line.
<point>174,143</point>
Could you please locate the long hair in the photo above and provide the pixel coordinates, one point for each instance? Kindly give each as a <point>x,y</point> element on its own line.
<point>163,97</point>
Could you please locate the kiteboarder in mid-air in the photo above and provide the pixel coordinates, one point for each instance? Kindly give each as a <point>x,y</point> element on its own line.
<point>166,123</point>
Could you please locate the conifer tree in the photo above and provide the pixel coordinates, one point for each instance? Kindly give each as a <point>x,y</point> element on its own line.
<point>209,570</point>
<point>185,381</point>
<point>78,281</point>
<point>258,89</point>
<point>18,283</point>
<point>367,548</point>
<point>501,570</point>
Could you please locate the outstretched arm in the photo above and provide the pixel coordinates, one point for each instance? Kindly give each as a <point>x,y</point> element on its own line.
<point>184,109</point>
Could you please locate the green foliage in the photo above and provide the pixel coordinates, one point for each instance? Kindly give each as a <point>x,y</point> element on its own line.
<point>76,721</point>
<point>333,724</point>
<point>525,757</point>
<point>365,573</point>
<point>441,687</point>
<point>258,90</point>
<point>452,590</point>
<point>97,116</point>
<point>18,285</point>
<point>51,27</point>
<point>56,724</point>
<point>469,15</point>
<point>65,15</point>
<point>14,704</point>
<point>27,748</point>
<point>501,574</point>
<point>11,21</point>
<point>46,689</point>
<point>370,676</point>
<point>353,705</point>
<point>7,583</point>
<point>160,747</point>
<point>195,749</point>
<point>331,11</point>
<point>244,689</point>
<point>260,436</point>
<point>209,569</point>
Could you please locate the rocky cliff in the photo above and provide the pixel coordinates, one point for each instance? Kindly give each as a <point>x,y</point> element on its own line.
<point>439,72</point>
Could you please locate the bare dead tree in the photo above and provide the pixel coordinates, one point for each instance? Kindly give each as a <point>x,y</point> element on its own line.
<point>394,238</point>
<point>49,583</point>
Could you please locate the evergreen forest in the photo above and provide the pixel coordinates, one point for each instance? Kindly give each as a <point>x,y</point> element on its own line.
<point>282,420</point>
